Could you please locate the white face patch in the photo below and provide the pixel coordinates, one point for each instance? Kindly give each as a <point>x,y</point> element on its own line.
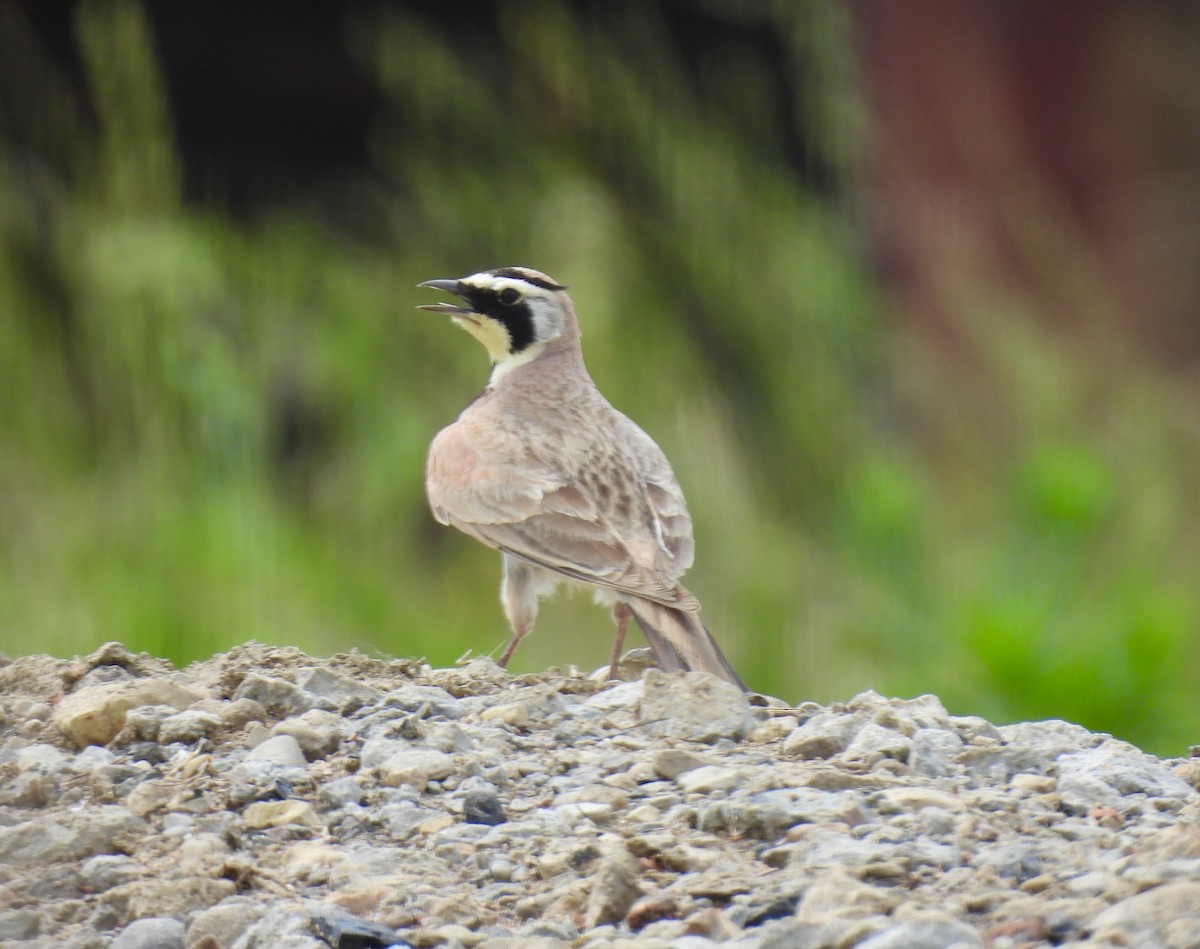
<point>504,366</point>
<point>516,316</point>
<point>545,306</point>
<point>490,281</point>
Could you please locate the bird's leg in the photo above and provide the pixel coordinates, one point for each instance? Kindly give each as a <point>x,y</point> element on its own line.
<point>622,614</point>
<point>512,647</point>
<point>519,598</point>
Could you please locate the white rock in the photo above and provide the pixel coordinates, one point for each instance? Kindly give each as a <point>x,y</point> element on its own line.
<point>263,814</point>
<point>316,731</point>
<point>624,695</point>
<point>933,752</point>
<point>187,726</point>
<point>282,750</point>
<point>40,757</point>
<point>344,691</point>
<point>1147,916</point>
<point>697,706</point>
<point>511,713</point>
<point>933,933</point>
<point>824,735</point>
<point>94,714</point>
<point>1107,774</point>
<point>916,797</point>
<point>416,767</point>
<point>708,778</point>
<point>874,742</point>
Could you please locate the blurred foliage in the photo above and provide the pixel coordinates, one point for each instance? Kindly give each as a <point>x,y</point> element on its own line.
<point>214,430</point>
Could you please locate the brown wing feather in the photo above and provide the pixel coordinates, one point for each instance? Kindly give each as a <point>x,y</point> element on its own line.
<point>637,541</point>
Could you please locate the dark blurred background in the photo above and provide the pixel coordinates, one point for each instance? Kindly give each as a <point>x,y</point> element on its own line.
<point>908,290</point>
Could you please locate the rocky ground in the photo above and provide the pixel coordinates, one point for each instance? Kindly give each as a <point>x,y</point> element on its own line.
<point>266,798</point>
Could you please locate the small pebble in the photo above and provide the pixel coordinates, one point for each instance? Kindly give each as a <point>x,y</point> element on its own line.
<point>480,807</point>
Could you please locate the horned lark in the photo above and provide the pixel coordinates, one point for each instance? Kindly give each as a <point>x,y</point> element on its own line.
<point>543,469</point>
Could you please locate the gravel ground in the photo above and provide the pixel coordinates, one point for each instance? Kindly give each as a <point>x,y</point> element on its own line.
<point>265,798</point>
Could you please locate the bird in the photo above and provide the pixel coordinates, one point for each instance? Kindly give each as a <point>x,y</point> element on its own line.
<point>541,467</point>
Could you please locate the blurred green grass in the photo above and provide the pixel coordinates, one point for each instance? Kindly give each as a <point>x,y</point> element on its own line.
<point>214,430</point>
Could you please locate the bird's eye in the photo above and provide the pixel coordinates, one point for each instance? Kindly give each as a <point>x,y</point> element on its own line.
<point>508,296</point>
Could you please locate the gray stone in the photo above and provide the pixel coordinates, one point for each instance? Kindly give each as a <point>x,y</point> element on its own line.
<point>278,696</point>
<point>54,837</point>
<point>614,888</point>
<point>171,897</point>
<point>670,763</point>
<point>927,853</point>
<point>38,711</point>
<point>837,894</point>
<point>1083,790</point>
<point>1105,775</point>
<point>282,750</point>
<point>696,706</point>
<point>109,870</point>
<point>971,727</point>
<point>40,757</point>
<point>619,697</point>
<point>30,789</point>
<point>824,735</point>
<point>937,821</point>
<point>933,752</point>
<point>416,767</point>
<point>1148,916</point>
<point>375,751</point>
<point>90,759</point>
<point>708,778</point>
<point>94,714</point>
<point>941,933</point>
<point>238,713</point>
<point>915,798</point>
<point>82,937</point>
<point>317,732</point>
<point>224,922</point>
<point>402,819</point>
<point>342,791</point>
<point>996,762</point>
<point>144,723</point>
<point>282,926</point>
<point>151,933</point>
<point>874,742</point>
<point>414,698</point>
<point>1051,738</point>
<point>19,924</point>
<point>201,853</point>
<point>59,882</point>
<point>823,847</point>
<point>685,858</point>
<point>256,780</point>
<point>340,929</point>
<point>188,726</point>
<point>483,807</point>
<point>344,691</point>
<point>902,715</point>
<point>765,816</point>
<point>793,934</point>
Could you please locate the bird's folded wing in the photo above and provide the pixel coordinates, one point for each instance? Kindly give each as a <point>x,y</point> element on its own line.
<point>536,510</point>
<point>565,532</point>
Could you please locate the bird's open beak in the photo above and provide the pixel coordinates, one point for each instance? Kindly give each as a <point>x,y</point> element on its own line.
<point>449,286</point>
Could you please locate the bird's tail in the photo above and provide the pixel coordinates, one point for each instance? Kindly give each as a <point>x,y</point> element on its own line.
<point>680,641</point>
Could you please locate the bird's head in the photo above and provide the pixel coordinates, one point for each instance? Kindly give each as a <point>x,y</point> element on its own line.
<point>513,311</point>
